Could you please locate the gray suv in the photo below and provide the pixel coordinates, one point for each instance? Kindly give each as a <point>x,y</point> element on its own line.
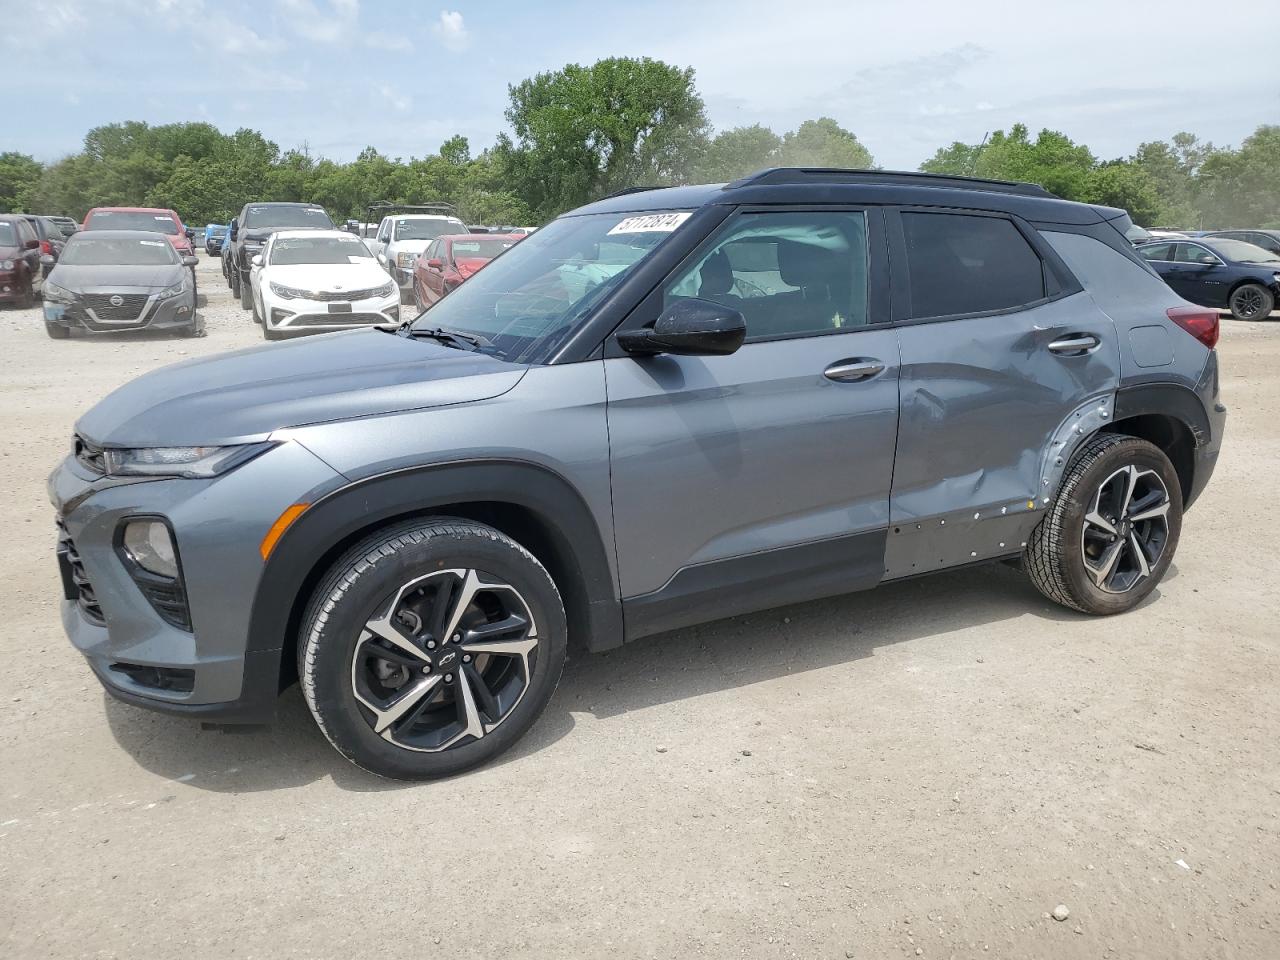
<point>664,408</point>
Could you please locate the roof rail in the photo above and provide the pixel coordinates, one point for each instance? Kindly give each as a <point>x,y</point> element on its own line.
<point>626,190</point>
<point>776,175</point>
<point>386,207</point>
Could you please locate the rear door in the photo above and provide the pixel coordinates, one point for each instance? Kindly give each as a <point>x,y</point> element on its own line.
<point>1000,350</point>
<point>762,477</point>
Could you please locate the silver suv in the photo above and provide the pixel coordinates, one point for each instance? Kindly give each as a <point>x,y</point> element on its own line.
<point>664,408</point>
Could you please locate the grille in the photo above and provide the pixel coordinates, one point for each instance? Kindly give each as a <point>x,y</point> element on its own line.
<point>130,308</point>
<point>328,296</point>
<point>90,455</point>
<point>75,582</point>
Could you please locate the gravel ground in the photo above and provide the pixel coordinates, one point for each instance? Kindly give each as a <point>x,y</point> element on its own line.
<point>927,770</point>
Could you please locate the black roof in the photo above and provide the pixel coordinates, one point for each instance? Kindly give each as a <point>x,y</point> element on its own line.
<point>785,185</point>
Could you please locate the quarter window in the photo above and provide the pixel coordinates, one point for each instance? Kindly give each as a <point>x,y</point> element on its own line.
<point>790,274</point>
<point>962,264</point>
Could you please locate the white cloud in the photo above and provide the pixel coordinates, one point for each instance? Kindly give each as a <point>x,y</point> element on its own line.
<point>398,101</point>
<point>451,30</point>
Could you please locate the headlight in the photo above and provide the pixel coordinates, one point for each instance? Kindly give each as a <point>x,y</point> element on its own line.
<point>6,264</point>
<point>289,293</point>
<point>170,292</point>
<point>405,259</point>
<point>385,290</point>
<point>150,546</point>
<point>191,462</point>
<point>54,292</point>
<point>1275,277</point>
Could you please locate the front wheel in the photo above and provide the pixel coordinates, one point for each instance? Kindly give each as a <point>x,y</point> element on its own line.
<point>1252,301</point>
<point>431,647</point>
<point>1110,534</point>
<point>245,292</point>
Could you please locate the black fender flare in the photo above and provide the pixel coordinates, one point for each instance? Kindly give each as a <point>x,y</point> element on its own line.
<point>337,519</point>
<point>1170,399</point>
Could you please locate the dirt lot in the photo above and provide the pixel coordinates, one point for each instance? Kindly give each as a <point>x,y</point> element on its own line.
<point>927,770</point>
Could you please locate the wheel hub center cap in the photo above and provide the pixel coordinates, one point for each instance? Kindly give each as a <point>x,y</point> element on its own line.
<point>448,659</point>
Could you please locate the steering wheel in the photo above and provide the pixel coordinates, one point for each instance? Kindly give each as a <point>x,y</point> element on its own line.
<point>746,289</point>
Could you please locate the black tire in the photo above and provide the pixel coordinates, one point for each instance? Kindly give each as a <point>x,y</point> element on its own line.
<point>233,280</point>
<point>1251,301</point>
<point>1055,556</point>
<point>368,582</point>
<point>57,331</point>
<point>257,316</point>
<point>244,292</point>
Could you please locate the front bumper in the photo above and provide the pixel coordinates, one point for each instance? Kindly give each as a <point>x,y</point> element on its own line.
<point>315,316</point>
<point>137,311</point>
<point>217,526</point>
<point>11,287</point>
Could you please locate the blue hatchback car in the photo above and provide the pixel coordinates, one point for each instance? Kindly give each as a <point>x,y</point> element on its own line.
<point>1214,272</point>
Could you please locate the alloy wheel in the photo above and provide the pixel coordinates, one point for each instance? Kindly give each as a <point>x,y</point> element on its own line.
<point>1247,302</point>
<point>446,661</point>
<point>1126,529</point>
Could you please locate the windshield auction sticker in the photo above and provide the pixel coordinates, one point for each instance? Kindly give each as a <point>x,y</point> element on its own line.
<point>651,223</point>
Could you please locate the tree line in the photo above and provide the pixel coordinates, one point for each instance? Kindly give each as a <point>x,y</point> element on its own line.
<point>580,133</point>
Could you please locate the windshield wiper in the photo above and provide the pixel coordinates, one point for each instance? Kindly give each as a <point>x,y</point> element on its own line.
<point>450,338</point>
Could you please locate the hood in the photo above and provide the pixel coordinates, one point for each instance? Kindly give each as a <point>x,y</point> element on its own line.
<point>329,277</point>
<point>261,233</point>
<point>409,246</point>
<point>248,394</point>
<point>88,278</point>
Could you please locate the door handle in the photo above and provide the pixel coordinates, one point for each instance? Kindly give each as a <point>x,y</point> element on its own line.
<point>851,371</point>
<point>1075,343</point>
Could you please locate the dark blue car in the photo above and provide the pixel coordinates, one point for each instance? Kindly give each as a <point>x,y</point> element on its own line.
<point>214,234</point>
<point>1228,274</point>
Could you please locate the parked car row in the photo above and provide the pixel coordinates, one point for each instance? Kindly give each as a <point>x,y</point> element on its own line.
<point>1219,271</point>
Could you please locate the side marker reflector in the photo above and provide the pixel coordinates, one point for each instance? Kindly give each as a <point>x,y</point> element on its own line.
<point>283,523</point>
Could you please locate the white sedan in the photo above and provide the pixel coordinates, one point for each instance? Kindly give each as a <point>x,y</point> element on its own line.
<point>312,281</point>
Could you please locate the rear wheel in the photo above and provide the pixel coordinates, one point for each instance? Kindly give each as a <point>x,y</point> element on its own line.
<point>233,278</point>
<point>244,292</point>
<point>1251,301</point>
<point>1110,534</point>
<point>431,647</point>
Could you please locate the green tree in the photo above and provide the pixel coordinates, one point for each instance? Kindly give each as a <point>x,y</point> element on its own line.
<point>1052,160</point>
<point>823,143</point>
<point>583,132</point>
<point>739,151</point>
<point>456,150</point>
<point>19,175</point>
<point>1124,184</point>
<point>1241,188</point>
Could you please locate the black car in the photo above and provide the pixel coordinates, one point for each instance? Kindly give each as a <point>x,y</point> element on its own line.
<point>50,236</point>
<point>1268,240</point>
<point>249,231</point>
<point>1228,274</point>
<point>67,225</point>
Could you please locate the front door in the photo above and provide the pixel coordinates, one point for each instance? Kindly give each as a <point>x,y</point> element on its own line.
<point>745,481</point>
<point>1000,350</point>
<point>1197,274</point>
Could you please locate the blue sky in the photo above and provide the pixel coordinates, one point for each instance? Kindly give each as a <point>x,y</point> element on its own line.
<point>906,77</point>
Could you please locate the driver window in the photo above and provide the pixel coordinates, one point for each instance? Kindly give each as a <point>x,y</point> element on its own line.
<point>1193,253</point>
<point>384,232</point>
<point>790,274</point>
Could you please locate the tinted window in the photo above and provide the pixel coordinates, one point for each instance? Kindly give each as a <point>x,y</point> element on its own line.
<point>271,216</point>
<point>1193,253</point>
<point>790,274</point>
<point>292,251</point>
<point>131,220</point>
<point>8,235</point>
<point>966,264</point>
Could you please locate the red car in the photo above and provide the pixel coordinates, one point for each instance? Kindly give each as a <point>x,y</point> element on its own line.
<point>20,274</point>
<point>451,259</point>
<point>142,218</point>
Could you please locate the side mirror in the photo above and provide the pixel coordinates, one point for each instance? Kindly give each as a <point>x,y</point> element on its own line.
<point>382,257</point>
<point>47,260</point>
<point>190,262</point>
<point>257,260</point>
<point>435,263</point>
<point>690,327</point>
<point>1208,261</point>
<point>233,230</point>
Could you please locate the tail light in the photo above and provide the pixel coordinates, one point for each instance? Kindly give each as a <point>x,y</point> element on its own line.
<point>46,247</point>
<point>1197,321</point>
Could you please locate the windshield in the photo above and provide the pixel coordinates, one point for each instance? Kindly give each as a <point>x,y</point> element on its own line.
<point>291,251</point>
<point>525,303</point>
<point>132,220</point>
<point>410,229</point>
<point>1243,252</point>
<point>8,235</point>
<point>84,250</point>
<point>281,217</point>
<point>215,230</point>
<point>480,249</point>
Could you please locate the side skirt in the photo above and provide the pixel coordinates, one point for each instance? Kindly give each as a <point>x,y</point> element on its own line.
<point>758,581</point>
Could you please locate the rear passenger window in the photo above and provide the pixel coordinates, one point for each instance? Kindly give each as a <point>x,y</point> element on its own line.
<point>790,274</point>
<point>1156,251</point>
<point>965,264</point>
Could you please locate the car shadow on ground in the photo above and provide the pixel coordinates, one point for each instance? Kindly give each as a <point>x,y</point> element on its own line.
<point>710,658</point>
